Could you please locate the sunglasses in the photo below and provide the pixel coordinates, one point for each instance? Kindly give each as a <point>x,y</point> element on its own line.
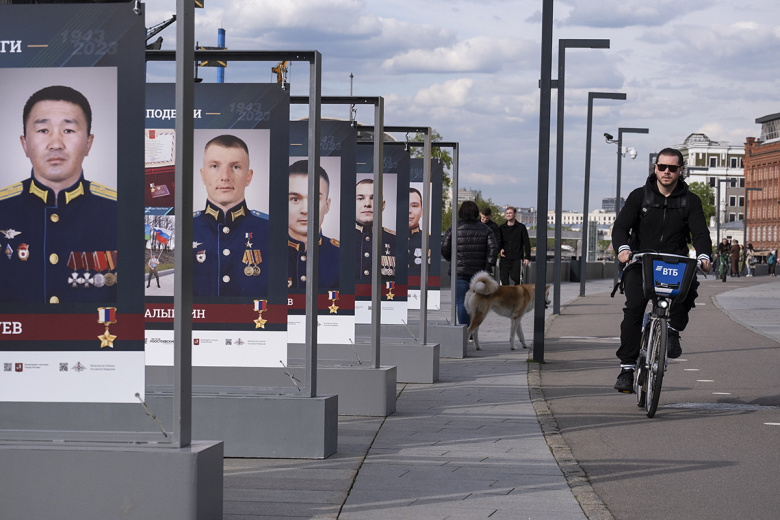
<point>671,167</point>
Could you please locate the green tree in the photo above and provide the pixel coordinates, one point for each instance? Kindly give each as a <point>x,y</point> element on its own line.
<point>436,153</point>
<point>707,196</point>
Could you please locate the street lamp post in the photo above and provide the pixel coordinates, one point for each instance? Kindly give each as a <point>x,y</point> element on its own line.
<point>562,46</point>
<point>584,252</point>
<point>744,219</point>
<point>620,153</point>
<point>717,215</point>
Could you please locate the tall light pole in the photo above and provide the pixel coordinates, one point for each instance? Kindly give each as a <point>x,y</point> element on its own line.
<point>717,214</point>
<point>562,46</point>
<point>542,186</point>
<point>620,153</point>
<point>744,219</point>
<point>584,254</point>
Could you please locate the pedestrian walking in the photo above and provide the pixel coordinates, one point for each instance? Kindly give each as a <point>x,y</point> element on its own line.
<point>772,261</point>
<point>515,248</point>
<point>750,259</point>
<point>477,248</point>
<point>734,257</point>
<point>486,217</point>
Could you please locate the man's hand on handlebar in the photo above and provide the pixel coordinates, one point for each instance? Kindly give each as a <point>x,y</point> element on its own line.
<point>706,265</point>
<point>624,256</point>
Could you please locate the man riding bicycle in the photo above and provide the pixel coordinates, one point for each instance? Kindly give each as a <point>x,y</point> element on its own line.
<point>661,216</point>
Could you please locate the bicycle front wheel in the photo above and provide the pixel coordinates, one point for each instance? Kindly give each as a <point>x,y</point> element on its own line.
<point>656,364</point>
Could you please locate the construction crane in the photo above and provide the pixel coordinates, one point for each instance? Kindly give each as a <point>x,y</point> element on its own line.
<point>281,72</point>
<point>156,29</point>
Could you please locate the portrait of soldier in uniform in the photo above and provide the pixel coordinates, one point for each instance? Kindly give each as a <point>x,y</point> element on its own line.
<point>364,235</point>
<point>298,219</point>
<point>229,239</point>
<point>415,233</point>
<point>58,230</point>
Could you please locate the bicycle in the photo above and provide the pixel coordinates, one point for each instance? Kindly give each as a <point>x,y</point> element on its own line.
<point>666,278</point>
<point>723,266</point>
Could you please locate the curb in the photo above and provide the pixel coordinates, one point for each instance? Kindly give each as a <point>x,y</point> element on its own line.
<point>579,483</point>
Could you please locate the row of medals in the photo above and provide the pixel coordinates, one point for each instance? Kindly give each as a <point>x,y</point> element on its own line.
<point>86,280</point>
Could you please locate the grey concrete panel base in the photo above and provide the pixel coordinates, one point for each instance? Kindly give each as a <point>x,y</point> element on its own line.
<point>132,483</point>
<point>453,339</point>
<point>362,391</point>
<point>273,426</point>
<point>416,363</point>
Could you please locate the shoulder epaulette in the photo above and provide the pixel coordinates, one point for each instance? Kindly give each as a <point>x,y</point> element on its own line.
<point>335,242</point>
<point>11,191</point>
<point>102,191</point>
<point>196,213</point>
<point>259,214</point>
<point>389,231</point>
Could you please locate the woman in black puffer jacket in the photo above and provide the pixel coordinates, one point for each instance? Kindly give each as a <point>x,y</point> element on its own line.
<point>477,249</point>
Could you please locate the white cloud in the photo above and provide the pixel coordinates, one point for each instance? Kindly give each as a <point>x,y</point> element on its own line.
<point>454,93</point>
<point>627,13</point>
<point>479,54</point>
<point>487,179</point>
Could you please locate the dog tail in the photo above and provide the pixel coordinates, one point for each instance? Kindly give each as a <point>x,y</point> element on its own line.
<point>483,283</point>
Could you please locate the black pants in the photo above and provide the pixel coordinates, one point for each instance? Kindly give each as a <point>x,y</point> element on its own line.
<point>153,272</point>
<point>511,269</point>
<point>634,311</point>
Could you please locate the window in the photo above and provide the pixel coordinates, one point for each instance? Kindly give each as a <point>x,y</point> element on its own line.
<point>732,200</point>
<point>732,217</point>
<point>713,162</point>
<point>733,183</point>
<point>734,162</point>
<point>742,182</point>
<point>741,200</point>
<point>740,217</point>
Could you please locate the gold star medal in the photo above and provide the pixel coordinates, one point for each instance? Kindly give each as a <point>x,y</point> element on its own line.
<point>106,316</point>
<point>260,306</point>
<point>333,296</point>
<point>389,286</point>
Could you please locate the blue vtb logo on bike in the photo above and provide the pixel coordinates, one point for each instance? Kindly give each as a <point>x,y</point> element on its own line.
<point>667,278</point>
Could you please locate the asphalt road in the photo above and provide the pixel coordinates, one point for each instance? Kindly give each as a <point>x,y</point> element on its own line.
<point>713,449</point>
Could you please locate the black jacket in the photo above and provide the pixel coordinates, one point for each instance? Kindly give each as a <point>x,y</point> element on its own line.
<point>476,248</point>
<point>494,228</point>
<point>514,241</point>
<point>663,229</point>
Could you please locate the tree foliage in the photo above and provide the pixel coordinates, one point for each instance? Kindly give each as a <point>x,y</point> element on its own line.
<point>436,153</point>
<point>707,196</point>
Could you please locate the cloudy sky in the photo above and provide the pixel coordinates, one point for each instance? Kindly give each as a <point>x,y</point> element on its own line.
<point>470,70</point>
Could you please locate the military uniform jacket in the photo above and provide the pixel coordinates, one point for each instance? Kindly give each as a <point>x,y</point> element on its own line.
<point>230,249</point>
<point>415,251</point>
<point>328,263</point>
<point>364,237</point>
<point>58,249</point>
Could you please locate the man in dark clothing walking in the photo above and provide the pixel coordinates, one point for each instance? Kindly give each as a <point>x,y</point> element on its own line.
<point>515,248</point>
<point>485,214</point>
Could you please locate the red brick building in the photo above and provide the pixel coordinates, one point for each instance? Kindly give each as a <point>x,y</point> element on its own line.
<point>762,170</point>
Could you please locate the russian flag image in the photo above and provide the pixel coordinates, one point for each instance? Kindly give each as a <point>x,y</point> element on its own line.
<point>106,314</point>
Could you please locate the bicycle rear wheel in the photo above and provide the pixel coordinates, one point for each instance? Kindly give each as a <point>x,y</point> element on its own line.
<point>656,364</point>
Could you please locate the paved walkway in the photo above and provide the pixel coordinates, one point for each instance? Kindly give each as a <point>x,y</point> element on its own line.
<point>467,447</point>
